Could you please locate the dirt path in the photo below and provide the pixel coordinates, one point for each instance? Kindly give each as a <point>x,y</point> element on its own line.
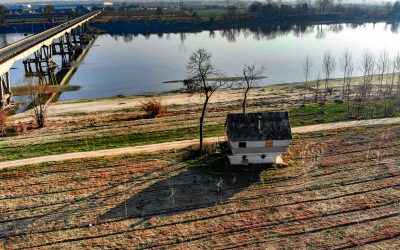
<point>185,143</point>
<point>348,124</point>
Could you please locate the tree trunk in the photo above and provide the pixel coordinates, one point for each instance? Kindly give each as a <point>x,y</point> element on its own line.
<point>316,92</point>
<point>305,91</point>
<point>325,91</point>
<point>398,84</point>
<point>203,114</point>
<point>245,101</point>
<point>344,86</point>
<point>348,92</point>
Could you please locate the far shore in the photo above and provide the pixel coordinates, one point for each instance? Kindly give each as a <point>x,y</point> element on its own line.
<point>115,24</point>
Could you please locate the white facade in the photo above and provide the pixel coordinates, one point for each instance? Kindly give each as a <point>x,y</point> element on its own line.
<point>257,152</point>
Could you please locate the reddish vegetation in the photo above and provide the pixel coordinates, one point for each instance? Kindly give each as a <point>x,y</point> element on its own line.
<point>3,122</point>
<point>341,190</point>
<point>153,108</point>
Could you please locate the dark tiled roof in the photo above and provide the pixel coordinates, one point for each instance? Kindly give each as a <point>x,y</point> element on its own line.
<point>244,127</point>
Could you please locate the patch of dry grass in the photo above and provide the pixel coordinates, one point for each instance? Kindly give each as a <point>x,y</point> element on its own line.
<point>341,190</point>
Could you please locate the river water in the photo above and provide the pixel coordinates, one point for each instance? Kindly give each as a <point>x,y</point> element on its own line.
<point>132,64</point>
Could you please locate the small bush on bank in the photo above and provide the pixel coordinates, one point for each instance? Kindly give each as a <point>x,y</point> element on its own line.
<point>153,108</point>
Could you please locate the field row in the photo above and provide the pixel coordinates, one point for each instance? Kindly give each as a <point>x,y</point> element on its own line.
<point>338,183</point>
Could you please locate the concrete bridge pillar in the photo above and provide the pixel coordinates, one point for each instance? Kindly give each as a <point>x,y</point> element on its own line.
<point>5,90</point>
<point>2,94</point>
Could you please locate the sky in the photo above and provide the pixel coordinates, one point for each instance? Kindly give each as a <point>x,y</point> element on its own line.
<point>44,1</point>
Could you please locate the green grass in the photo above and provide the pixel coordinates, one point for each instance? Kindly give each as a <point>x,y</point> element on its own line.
<point>334,112</point>
<point>314,114</point>
<point>98,143</point>
<point>300,116</point>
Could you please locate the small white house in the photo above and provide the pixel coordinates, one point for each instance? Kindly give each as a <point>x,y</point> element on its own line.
<point>258,138</point>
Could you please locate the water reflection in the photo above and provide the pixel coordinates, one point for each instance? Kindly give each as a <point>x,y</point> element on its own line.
<point>394,27</point>
<point>182,46</point>
<point>266,32</point>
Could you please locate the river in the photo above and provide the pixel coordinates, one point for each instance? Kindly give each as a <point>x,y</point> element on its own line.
<point>133,64</point>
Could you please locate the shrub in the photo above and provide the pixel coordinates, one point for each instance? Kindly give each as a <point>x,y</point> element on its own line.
<point>19,128</point>
<point>153,108</point>
<point>37,96</point>
<point>3,122</point>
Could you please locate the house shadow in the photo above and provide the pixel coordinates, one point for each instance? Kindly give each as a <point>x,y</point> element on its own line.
<point>188,190</point>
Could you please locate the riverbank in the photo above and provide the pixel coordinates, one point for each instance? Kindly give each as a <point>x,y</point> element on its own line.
<point>178,100</point>
<point>120,122</point>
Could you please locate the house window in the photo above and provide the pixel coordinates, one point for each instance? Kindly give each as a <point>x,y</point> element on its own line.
<point>269,144</point>
<point>242,144</point>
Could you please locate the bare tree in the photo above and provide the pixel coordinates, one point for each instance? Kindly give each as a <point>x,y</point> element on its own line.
<point>391,95</point>
<point>250,73</point>
<point>346,65</point>
<point>328,66</point>
<point>231,12</point>
<point>367,67</point>
<point>2,13</point>
<point>37,97</point>
<point>396,66</point>
<point>323,4</point>
<point>200,80</point>
<point>382,65</point>
<point>393,76</point>
<point>159,11</point>
<point>317,88</point>
<point>307,64</point>
<point>49,11</point>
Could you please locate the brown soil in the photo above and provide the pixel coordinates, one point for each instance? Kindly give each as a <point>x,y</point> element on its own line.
<point>340,191</point>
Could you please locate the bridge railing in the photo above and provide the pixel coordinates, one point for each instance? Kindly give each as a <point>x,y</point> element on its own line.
<point>24,44</point>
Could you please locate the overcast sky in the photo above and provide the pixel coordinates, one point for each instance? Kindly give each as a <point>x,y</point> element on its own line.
<point>44,1</point>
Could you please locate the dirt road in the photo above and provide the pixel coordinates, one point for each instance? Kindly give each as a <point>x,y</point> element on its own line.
<point>185,143</point>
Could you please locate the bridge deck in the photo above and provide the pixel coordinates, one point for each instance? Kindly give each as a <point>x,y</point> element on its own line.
<point>23,45</point>
<point>29,45</point>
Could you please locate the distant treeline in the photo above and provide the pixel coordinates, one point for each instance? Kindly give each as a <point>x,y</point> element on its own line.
<point>273,9</point>
<point>257,14</point>
<point>157,27</point>
<point>263,14</point>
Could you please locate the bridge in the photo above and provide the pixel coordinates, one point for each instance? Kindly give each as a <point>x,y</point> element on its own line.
<point>65,40</point>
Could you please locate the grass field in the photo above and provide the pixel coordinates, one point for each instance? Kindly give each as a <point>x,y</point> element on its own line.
<point>340,191</point>
<point>129,131</point>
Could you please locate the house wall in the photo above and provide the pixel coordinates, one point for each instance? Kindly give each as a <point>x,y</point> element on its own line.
<point>257,152</point>
<point>258,144</point>
<point>237,159</point>
<point>261,150</point>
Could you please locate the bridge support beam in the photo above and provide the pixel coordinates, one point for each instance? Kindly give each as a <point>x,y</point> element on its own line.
<point>64,48</point>
<point>42,65</point>
<point>5,91</point>
<point>42,61</point>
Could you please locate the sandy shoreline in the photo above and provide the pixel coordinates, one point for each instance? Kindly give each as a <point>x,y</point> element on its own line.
<point>172,100</point>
